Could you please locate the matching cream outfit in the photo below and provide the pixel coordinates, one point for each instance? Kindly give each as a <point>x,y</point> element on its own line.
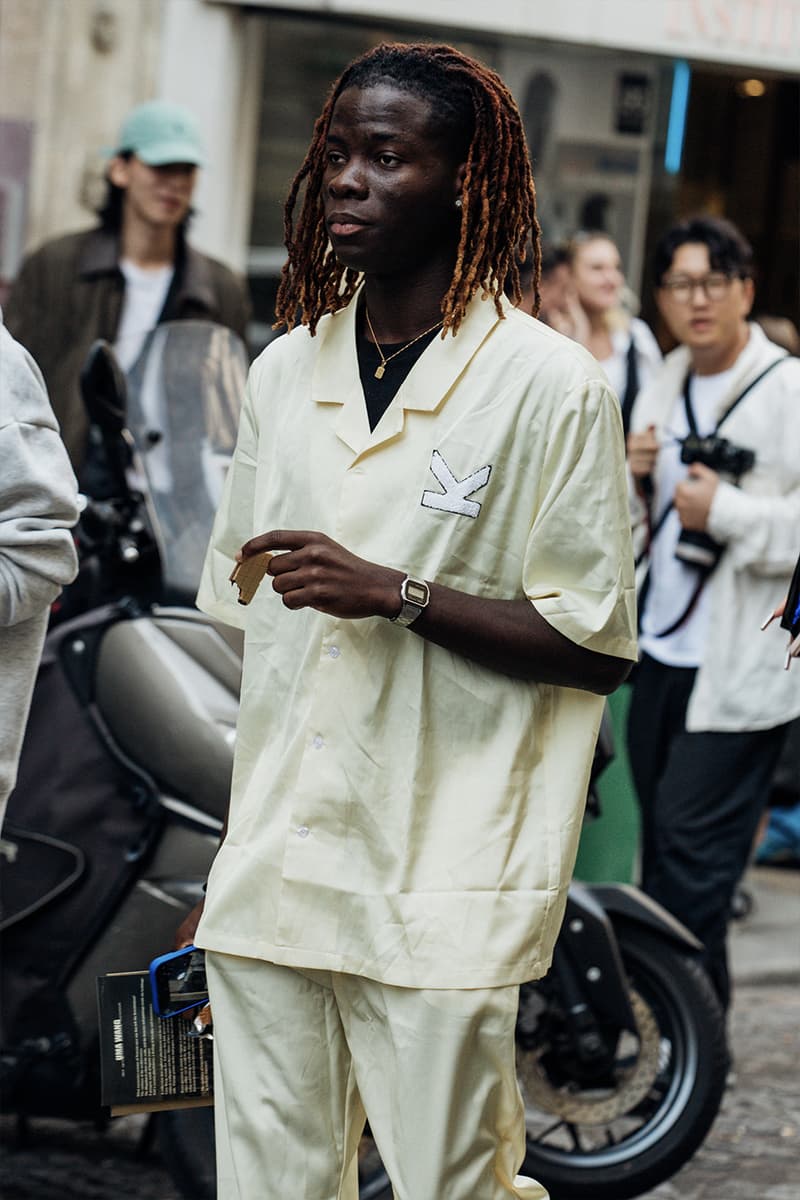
<point>400,815</point>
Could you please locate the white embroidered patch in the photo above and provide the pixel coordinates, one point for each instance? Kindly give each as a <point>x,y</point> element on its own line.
<point>454,497</point>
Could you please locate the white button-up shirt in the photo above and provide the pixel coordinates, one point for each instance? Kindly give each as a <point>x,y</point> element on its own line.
<point>399,811</point>
<point>741,684</point>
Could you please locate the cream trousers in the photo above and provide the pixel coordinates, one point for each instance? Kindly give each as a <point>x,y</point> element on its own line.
<point>301,1057</point>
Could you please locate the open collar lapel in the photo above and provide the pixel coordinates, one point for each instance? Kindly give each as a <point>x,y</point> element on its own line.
<point>99,253</point>
<point>336,379</point>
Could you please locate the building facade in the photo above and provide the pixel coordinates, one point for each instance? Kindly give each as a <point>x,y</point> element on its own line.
<point>636,111</point>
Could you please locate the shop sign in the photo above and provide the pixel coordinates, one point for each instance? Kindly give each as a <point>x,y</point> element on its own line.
<point>766,25</point>
<point>747,32</point>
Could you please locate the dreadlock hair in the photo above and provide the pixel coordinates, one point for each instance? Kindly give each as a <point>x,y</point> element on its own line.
<point>479,119</point>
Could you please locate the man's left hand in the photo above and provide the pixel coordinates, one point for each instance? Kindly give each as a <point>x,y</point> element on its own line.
<point>693,496</point>
<point>310,570</point>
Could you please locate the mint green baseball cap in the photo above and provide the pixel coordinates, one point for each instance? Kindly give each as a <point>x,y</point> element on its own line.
<point>158,132</point>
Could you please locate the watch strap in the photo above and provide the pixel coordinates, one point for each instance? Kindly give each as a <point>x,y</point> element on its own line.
<point>414,597</point>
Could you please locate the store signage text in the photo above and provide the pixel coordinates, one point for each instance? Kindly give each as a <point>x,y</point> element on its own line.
<point>766,24</point>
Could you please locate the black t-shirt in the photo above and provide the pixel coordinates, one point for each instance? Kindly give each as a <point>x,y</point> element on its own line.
<point>379,393</point>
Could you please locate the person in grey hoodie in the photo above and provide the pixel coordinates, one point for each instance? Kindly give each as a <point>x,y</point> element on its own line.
<point>38,507</point>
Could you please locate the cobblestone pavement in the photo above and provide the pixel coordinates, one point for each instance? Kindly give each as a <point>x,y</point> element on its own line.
<point>752,1153</point>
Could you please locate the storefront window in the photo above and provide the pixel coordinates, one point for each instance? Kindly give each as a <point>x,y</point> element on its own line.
<point>596,121</point>
<point>741,160</point>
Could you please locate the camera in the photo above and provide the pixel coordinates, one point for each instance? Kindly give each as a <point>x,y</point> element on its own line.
<point>717,453</point>
<point>694,547</point>
<point>698,549</point>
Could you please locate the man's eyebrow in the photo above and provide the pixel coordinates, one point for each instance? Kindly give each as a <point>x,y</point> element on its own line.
<point>377,135</point>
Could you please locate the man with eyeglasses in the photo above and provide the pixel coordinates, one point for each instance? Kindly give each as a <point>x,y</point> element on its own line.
<point>714,458</point>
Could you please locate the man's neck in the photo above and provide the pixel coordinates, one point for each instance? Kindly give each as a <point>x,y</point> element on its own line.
<point>713,360</point>
<point>147,246</point>
<point>402,307</point>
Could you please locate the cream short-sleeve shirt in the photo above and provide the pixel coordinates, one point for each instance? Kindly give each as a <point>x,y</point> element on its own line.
<point>398,811</point>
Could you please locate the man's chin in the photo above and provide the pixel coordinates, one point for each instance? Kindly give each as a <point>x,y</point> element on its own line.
<point>705,335</point>
<point>355,260</point>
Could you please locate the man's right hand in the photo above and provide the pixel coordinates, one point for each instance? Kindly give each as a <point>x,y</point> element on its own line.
<point>642,453</point>
<point>184,935</point>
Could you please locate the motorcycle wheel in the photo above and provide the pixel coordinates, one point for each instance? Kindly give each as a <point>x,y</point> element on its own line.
<point>621,1137</point>
<point>186,1143</point>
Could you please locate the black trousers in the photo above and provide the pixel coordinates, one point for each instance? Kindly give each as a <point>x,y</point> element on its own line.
<point>701,796</point>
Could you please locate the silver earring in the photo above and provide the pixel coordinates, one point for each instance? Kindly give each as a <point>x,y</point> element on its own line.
<point>459,202</point>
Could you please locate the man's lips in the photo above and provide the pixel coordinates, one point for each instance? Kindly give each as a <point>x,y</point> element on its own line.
<point>344,224</point>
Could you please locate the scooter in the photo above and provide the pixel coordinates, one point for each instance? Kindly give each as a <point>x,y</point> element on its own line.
<point>122,790</point>
<point>126,765</point>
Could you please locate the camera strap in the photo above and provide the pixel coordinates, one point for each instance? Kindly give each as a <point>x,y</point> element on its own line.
<point>690,417</point>
<point>688,610</point>
<point>631,385</point>
<point>687,397</point>
<point>703,575</point>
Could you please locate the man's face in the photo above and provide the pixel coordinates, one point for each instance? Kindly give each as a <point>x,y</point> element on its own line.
<point>704,309</point>
<point>390,186</point>
<point>160,196</point>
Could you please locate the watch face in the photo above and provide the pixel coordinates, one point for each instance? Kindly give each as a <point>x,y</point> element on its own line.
<point>416,592</point>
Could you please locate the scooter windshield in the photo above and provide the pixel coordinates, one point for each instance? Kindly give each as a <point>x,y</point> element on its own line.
<point>184,395</point>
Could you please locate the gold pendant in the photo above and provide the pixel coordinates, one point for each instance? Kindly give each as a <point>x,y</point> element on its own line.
<point>379,371</point>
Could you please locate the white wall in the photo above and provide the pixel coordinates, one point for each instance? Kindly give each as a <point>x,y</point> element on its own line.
<point>583,152</point>
<point>753,33</point>
<point>211,61</point>
<point>74,87</point>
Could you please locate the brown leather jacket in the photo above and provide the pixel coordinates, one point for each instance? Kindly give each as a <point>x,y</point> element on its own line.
<point>69,292</point>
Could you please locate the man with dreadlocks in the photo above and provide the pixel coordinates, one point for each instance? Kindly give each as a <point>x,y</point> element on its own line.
<point>440,481</point>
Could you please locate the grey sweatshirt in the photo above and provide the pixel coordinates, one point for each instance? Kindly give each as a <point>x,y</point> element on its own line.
<point>38,507</point>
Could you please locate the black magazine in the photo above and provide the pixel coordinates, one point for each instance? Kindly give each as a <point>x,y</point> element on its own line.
<point>148,1063</point>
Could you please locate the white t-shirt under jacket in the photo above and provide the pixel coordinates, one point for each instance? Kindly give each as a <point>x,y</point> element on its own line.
<point>398,811</point>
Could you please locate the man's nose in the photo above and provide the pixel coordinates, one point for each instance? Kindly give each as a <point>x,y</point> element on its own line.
<point>697,288</point>
<point>349,179</point>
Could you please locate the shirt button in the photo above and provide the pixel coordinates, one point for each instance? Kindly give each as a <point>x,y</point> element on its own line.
<point>318,741</point>
<point>303,831</point>
<point>334,652</point>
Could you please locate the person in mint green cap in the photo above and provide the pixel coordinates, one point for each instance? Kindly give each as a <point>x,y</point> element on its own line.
<point>134,270</point>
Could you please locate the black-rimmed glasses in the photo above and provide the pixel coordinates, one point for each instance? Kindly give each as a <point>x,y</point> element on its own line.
<point>681,288</point>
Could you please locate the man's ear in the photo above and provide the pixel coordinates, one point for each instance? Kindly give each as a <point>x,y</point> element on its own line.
<point>748,295</point>
<point>118,172</point>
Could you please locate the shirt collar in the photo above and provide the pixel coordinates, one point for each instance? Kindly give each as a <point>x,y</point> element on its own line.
<point>100,256</point>
<point>336,380</point>
<point>99,253</point>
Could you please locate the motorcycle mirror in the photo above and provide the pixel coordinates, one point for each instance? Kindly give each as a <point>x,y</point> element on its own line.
<point>104,389</point>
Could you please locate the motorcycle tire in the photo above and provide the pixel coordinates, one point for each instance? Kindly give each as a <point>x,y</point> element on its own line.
<point>186,1143</point>
<point>619,1139</point>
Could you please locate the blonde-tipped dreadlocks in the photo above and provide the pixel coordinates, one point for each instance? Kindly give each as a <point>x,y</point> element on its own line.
<point>498,216</point>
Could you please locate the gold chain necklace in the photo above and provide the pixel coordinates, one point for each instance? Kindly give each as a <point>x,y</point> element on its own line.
<point>380,369</point>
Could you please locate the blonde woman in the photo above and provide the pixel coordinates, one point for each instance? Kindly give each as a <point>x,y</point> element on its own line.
<point>622,344</point>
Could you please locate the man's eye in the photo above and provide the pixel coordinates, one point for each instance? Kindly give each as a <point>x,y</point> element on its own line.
<point>335,157</point>
<point>388,160</point>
